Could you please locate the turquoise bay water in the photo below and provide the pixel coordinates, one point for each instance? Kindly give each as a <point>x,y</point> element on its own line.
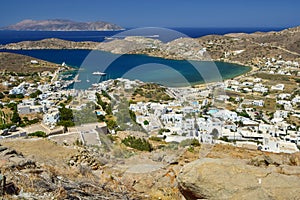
<point>173,73</point>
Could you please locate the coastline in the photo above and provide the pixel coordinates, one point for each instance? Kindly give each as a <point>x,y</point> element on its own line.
<point>195,84</point>
<point>173,50</point>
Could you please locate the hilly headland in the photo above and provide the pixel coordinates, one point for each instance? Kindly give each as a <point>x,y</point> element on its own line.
<point>61,25</point>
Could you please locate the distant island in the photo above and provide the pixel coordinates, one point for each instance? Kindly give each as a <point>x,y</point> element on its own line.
<point>61,25</point>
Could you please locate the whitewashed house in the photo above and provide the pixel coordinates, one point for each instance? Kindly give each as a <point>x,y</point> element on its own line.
<point>258,103</point>
<point>279,87</point>
<point>51,118</point>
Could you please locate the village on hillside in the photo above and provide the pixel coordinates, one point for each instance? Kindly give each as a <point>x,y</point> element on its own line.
<point>259,110</point>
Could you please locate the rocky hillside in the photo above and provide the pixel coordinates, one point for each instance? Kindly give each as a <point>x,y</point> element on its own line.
<point>29,179</point>
<point>61,25</point>
<point>233,173</point>
<point>288,39</point>
<point>11,62</point>
<point>247,49</point>
<point>47,170</point>
<point>51,43</point>
<point>234,179</point>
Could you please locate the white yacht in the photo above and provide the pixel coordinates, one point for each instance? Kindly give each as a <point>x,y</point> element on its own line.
<point>99,73</point>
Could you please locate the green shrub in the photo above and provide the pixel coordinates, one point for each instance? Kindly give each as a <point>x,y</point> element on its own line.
<point>12,96</point>
<point>224,138</point>
<point>105,94</point>
<point>66,117</point>
<point>243,114</point>
<point>5,126</point>
<point>132,115</point>
<point>35,94</point>
<point>1,95</point>
<point>163,130</point>
<point>189,142</point>
<point>158,139</point>
<point>111,124</point>
<point>38,134</point>
<point>137,143</point>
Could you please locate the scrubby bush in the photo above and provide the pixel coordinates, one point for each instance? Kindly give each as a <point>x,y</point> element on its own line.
<point>1,95</point>
<point>158,139</point>
<point>35,94</point>
<point>132,115</point>
<point>163,130</point>
<point>224,138</point>
<point>38,134</point>
<point>137,143</point>
<point>189,142</point>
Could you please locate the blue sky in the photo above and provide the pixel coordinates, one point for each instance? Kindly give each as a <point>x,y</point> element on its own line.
<point>158,13</point>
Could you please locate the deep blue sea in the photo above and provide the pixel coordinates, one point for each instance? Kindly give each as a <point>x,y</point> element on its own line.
<point>98,36</point>
<point>150,69</point>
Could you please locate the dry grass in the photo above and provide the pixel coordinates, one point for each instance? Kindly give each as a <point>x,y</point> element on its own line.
<point>21,64</point>
<point>228,151</point>
<point>294,120</point>
<point>270,105</point>
<point>42,150</point>
<point>150,92</point>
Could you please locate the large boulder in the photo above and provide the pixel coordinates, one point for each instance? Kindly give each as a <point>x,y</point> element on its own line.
<point>234,179</point>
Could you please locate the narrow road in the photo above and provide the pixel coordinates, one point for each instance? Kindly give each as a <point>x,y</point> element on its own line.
<point>55,76</point>
<point>278,47</point>
<point>288,51</point>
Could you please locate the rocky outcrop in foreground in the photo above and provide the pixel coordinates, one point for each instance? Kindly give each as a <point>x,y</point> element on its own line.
<point>47,170</point>
<point>28,179</point>
<point>229,178</point>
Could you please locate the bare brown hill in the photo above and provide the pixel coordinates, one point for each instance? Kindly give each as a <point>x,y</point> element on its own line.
<point>288,39</point>
<point>11,62</point>
<point>51,43</point>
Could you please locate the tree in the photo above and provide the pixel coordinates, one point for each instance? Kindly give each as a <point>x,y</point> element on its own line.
<point>20,96</point>
<point>66,117</point>
<point>108,109</point>
<point>100,102</point>
<point>101,118</point>
<point>146,123</point>
<point>105,94</point>
<point>16,118</point>
<point>66,113</point>
<point>1,95</point>
<point>215,133</point>
<point>132,115</point>
<point>111,124</point>
<point>35,94</point>
<point>12,96</point>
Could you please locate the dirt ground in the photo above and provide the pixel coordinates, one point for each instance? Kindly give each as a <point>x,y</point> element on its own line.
<point>41,150</point>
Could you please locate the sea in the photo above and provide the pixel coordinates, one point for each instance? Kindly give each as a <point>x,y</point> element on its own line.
<point>99,36</point>
<point>172,73</point>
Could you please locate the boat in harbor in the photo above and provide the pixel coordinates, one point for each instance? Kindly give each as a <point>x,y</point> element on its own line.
<point>99,73</point>
<point>76,79</point>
